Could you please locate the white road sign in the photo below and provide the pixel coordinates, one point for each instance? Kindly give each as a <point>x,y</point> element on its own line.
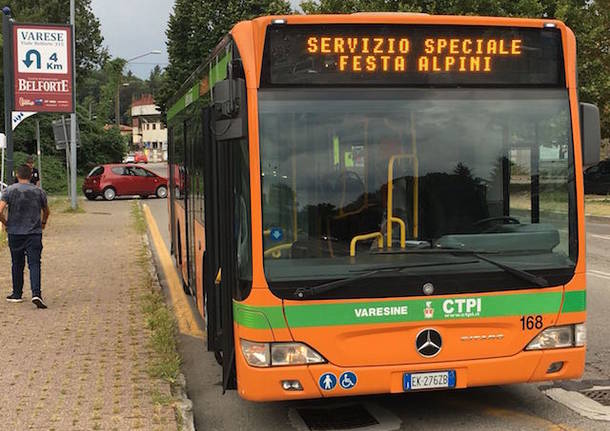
<point>43,51</point>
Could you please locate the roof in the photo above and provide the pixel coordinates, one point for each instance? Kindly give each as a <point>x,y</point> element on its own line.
<point>123,127</point>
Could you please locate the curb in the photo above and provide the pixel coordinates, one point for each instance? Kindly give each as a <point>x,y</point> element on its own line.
<point>183,406</point>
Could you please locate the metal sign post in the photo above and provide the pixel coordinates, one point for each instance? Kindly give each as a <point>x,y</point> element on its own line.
<point>2,146</point>
<point>7,31</point>
<point>73,115</point>
<point>63,123</point>
<point>38,152</point>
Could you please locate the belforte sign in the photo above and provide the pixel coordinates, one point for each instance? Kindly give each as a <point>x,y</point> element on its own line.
<point>43,67</point>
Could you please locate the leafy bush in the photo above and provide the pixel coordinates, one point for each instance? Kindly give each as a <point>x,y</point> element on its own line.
<point>54,179</point>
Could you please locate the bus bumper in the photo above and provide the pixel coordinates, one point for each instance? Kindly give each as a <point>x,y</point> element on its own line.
<point>265,384</point>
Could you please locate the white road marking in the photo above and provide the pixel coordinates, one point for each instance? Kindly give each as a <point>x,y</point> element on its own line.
<point>600,274</point>
<point>606,237</point>
<point>581,404</point>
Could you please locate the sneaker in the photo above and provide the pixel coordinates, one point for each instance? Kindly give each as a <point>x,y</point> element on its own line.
<point>37,300</point>
<point>14,298</point>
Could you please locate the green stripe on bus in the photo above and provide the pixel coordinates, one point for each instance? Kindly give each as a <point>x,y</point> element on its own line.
<point>258,317</point>
<point>415,310</point>
<point>217,73</point>
<point>575,301</point>
<point>437,309</point>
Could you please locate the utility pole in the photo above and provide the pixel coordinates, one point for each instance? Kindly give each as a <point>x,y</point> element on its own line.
<point>7,37</point>
<point>73,115</point>
<point>38,152</point>
<point>117,104</point>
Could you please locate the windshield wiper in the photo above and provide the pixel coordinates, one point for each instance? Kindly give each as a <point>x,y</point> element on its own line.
<point>519,273</point>
<point>304,292</point>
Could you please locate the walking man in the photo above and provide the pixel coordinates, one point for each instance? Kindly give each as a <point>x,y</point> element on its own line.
<point>24,227</point>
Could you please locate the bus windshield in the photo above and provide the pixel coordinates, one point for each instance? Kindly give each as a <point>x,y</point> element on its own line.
<point>352,179</point>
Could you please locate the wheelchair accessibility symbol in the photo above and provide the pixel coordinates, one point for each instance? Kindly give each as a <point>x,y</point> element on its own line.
<point>348,380</point>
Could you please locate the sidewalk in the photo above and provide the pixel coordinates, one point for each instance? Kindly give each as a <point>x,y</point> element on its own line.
<point>82,363</point>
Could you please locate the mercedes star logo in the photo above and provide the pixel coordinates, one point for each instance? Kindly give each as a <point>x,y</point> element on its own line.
<point>428,343</point>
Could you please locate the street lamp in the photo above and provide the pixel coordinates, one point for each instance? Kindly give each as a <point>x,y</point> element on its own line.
<point>117,107</point>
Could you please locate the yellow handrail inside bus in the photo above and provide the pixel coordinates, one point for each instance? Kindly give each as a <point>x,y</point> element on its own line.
<point>403,231</point>
<point>276,251</point>
<point>352,245</point>
<point>391,218</point>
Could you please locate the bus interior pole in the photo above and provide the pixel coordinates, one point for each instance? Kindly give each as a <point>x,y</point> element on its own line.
<point>38,152</point>
<point>7,29</point>
<point>73,115</point>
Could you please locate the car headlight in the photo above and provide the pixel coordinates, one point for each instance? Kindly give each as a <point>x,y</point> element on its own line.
<point>278,354</point>
<point>558,337</point>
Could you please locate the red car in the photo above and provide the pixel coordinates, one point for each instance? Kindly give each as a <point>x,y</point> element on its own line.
<point>111,181</point>
<point>140,157</point>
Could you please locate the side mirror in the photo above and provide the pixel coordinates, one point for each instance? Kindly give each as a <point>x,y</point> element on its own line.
<point>229,106</point>
<point>590,133</point>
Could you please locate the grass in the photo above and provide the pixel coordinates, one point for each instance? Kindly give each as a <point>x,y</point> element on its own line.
<point>159,318</point>
<point>138,216</point>
<point>595,205</point>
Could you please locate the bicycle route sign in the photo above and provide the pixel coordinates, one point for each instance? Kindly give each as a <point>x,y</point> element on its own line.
<point>42,58</point>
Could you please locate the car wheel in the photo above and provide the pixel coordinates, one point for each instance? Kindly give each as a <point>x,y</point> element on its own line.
<point>109,193</point>
<point>90,197</point>
<point>161,192</point>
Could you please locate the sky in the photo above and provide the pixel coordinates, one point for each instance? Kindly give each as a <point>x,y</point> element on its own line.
<point>134,27</point>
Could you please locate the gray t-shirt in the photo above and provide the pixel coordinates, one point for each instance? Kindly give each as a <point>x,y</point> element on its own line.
<point>25,203</point>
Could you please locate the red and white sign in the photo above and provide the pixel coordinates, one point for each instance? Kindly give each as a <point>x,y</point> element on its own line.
<point>42,57</point>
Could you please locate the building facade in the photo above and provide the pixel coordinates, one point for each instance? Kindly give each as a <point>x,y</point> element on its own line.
<point>149,134</point>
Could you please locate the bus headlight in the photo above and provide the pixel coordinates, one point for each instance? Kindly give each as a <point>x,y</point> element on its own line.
<point>294,354</point>
<point>278,354</point>
<point>559,337</point>
<point>256,354</point>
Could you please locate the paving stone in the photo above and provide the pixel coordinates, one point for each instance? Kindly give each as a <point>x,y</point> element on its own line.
<point>77,365</point>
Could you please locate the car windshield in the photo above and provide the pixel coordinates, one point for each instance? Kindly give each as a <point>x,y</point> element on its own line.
<point>354,179</point>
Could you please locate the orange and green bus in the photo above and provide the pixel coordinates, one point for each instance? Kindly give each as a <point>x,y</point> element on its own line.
<point>379,203</point>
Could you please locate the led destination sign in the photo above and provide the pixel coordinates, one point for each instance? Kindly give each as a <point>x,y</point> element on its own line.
<point>412,55</point>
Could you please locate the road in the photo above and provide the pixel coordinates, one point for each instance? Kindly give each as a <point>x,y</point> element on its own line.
<point>513,407</point>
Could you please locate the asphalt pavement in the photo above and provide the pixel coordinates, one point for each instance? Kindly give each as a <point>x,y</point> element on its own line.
<point>511,407</point>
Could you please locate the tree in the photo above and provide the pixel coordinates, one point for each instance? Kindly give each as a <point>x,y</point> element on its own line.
<point>589,19</point>
<point>155,80</point>
<point>196,26</point>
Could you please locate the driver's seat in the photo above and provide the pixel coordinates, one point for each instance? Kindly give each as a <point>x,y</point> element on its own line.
<point>450,203</point>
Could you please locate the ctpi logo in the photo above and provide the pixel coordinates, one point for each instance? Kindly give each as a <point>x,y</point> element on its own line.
<point>462,307</point>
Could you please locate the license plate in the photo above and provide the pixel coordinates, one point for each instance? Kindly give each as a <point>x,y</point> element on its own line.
<point>435,380</point>
<point>88,191</point>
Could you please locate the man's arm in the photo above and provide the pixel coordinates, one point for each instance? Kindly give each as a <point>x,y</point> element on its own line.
<point>45,208</point>
<point>2,207</point>
<point>45,215</point>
